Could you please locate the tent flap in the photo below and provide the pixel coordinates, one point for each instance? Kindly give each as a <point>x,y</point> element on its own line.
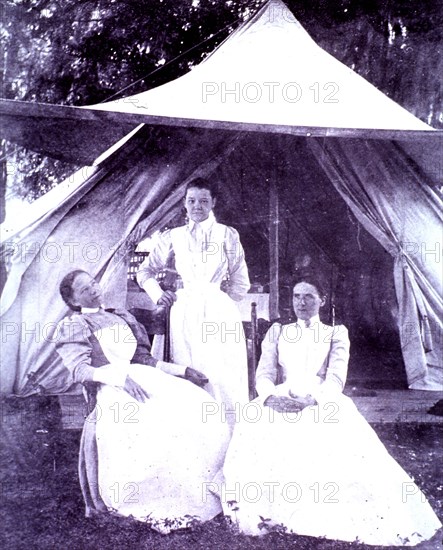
<point>399,208</point>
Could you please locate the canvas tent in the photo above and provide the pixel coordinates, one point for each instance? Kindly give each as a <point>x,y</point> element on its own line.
<point>309,157</point>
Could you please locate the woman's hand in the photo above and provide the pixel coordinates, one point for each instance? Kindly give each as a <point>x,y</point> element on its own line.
<point>167,298</point>
<point>135,390</point>
<point>288,404</point>
<point>224,286</point>
<point>304,401</point>
<point>196,377</point>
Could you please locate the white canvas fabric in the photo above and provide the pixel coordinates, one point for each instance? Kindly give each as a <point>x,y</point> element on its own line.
<point>270,71</point>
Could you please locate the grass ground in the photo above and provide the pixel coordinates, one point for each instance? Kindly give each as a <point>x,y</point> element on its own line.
<point>42,507</point>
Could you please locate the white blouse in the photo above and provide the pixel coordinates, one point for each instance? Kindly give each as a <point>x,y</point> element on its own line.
<point>313,360</point>
<point>205,253</point>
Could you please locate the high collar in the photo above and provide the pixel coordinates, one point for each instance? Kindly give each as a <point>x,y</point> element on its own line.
<point>91,309</point>
<point>205,225</point>
<point>312,321</point>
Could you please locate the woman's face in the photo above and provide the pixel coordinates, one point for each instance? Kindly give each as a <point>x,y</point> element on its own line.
<point>198,204</point>
<point>306,301</point>
<point>86,292</point>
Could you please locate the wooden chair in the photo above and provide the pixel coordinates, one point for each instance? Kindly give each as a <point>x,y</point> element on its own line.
<point>255,334</point>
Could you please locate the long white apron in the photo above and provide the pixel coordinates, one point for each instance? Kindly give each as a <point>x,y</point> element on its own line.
<point>206,326</point>
<point>157,459</point>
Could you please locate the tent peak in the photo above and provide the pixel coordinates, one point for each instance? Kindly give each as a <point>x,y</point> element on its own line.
<point>270,71</point>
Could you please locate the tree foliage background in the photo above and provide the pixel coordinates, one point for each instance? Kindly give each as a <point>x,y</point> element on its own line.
<point>79,52</point>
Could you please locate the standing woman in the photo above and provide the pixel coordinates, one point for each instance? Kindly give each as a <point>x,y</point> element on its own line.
<point>205,324</point>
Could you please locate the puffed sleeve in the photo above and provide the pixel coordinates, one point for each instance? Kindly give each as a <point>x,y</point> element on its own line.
<point>337,365</point>
<point>238,284</point>
<point>152,265</point>
<point>266,375</point>
<point>75,349</point>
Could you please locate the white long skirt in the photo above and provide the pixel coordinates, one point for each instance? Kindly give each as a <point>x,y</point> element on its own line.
<point>156,460</point>
<point>207,333</point>
<point>323,473</point>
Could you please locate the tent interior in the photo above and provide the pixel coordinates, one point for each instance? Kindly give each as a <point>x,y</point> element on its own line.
<point>357,203</point>
<point>292,221</point>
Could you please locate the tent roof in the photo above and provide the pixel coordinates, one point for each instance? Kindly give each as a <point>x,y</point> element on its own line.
<point>250,82</point>
<point>270,71</point>
<point>67,133</point>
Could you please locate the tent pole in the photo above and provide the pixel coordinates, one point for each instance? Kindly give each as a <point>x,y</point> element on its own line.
<point>274,267</point>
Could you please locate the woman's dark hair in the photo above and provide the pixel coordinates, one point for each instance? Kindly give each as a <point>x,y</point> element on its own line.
<point>65,288</point>
<point>201,183</point>
<point>311,280</point>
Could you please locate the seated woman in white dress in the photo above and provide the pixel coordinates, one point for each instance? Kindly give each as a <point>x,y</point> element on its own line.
<point>303,457</point>
<point>145,451</point>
